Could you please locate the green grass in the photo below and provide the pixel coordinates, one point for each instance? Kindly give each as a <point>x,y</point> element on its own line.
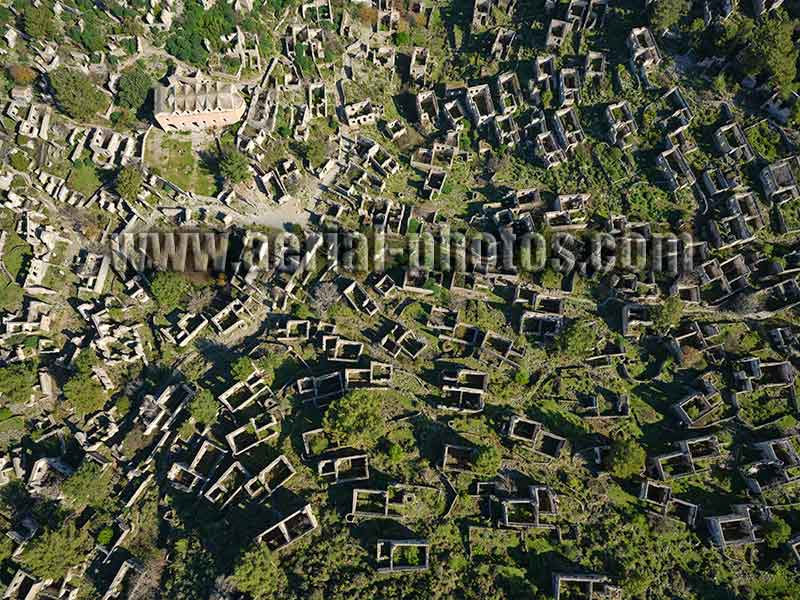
<point>83,178</point>
<point>15,253</point>
<point>10,296</point>
<point>12,428</point>
<point>177,161</point>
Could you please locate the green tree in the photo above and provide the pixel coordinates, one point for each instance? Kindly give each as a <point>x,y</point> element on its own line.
<point>777,532</point>
<point>129,182</point>
<point>667,315</point>
<point>627,458</point>
<point>772,51</point>
<point>203,407</point>
<point>190,575</point>
<point>355,419</point>
<point>666,13</point>
<point>257,573</point>
<point>169,289</point>
<point>133,87</point>
<point>92,36</point>
<point>76,94</point>
<point>523,376</point>
<point>85,361</point>
<point>234,166</point>
<point>269,364</point>
<point>89,486</point>
<point>53,553</point>
<point>242,368</point>
<point>39,22</point>
<point>17,381</point>
<point>188,38</point>
<point>487,460</point>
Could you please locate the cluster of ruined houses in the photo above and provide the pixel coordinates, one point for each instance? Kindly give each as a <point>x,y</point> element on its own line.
<point>357,172</point>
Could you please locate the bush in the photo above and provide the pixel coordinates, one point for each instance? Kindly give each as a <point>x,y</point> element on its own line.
<point>204,408</point>
<point>129,183</point>
<point>133,87</point>
<point>667,315</point>
<point>17,381</point>
<point>355,419</point>
<point>487,460</point>
<point>92,36</point>
<point>38,22</point>
<point>190,575</point>
<point>257,573</point>
<point>627,458</point>
<point>22,74</point>
<point>772,51</point>
<point>89,486</point>
<point>76,94</point>
<point>85,394</point>
<point>242,368</point>
<point>667,13</point>
<point>777,532</point>
<point>169,289</point>
<point>402,38</point>
<point>20,160</point>
<point>105,536</point>
<point>53,553</point>
<point>396,453</point>
<point>196,24</point>
<point>579,339</point>
<point>234,166</point>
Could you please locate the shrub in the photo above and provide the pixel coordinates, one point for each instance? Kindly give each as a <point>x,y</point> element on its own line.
<point>169,289</point>
<point>234,166</point>
<point>133,87</point>
<point>84,394</point>
<point>776,532</point>
<point>487,460</point>
<point>773,51</point>
<point>667,315</point>
<point>579,339</point>
<point>190,575</point>
<point>129,183</point>
<point>627,458</point>
<point>22,74</point>
<point>196,25</point>
<point>17,381</point>
<point>204,408</point>
<point>402,38</point>
<point>242,368</point>
<point>89,486</point>
<point>53,553</point>
<point>355,419</point>
<point>667,13</point>
<point>105,536</point>
<point>396,453</point>
<point>257,573</point>
<point>20,160</point>
<point>38,22</point>
<point>76,94</point>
